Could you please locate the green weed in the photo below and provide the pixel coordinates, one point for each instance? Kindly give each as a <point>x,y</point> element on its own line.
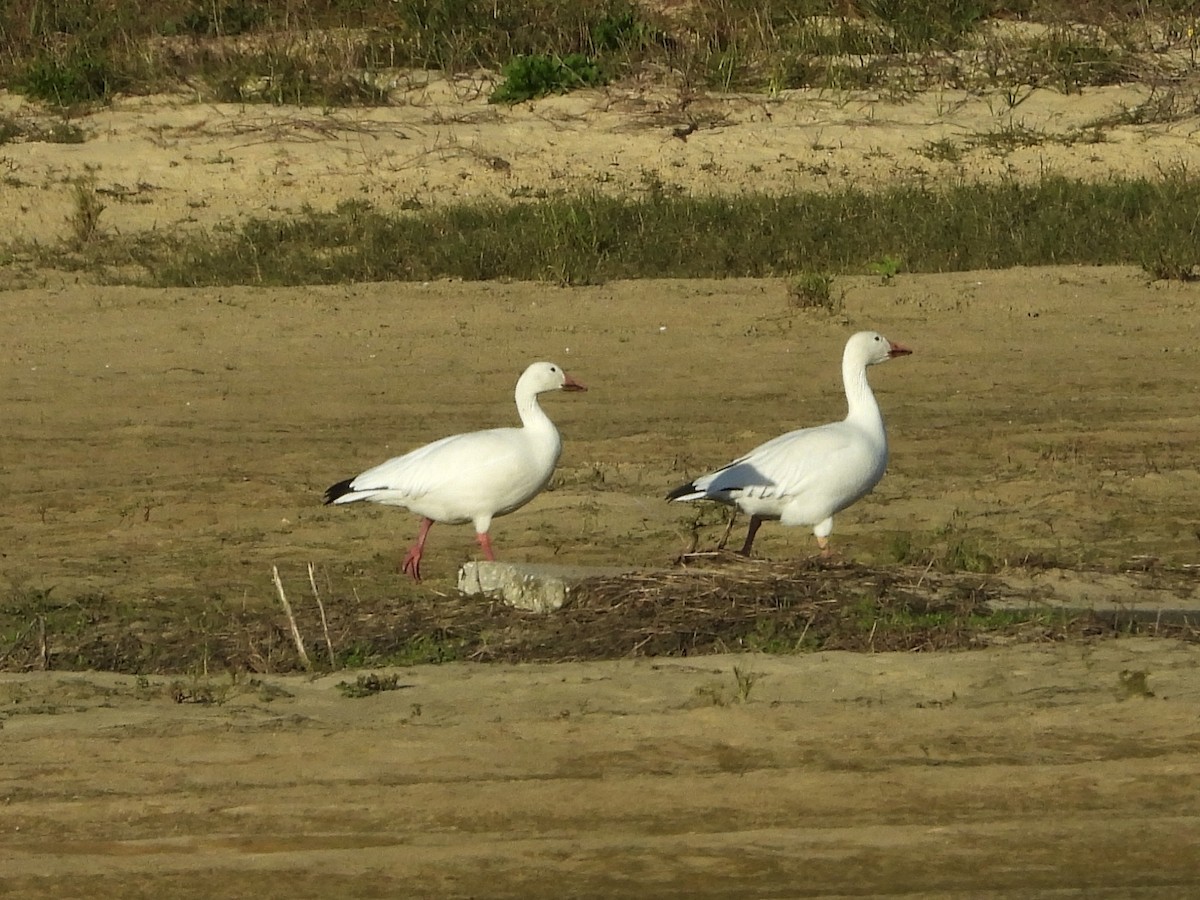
<point>419,649</point>
<point>1133,683</point>
<point>719,694</point>
<point>1173,265</point>
<point>61,133</point>
<point>823,36</point>
<point>81,74</point>
<point>887,267</point>
<point>745,680</point>
<point>1162,107</point>
<point>814,290</point>
<point>964,554</point>
<point>369,685</point>
<point>916,25</point>
<point>200,691</point>
<point>10,130</point>
<point>948,550</point>
<point>769,636</point>
<point>1066,61</point>
<point>222,19</point>
<point>623,29</point>
<point>903,548</point>
<point>1007,138</point>
<point>942,150</point>
<point>530,77</point>
<point>288,76</point>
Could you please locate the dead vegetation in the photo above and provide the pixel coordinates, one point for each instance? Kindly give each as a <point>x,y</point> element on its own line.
<point>718,603</point>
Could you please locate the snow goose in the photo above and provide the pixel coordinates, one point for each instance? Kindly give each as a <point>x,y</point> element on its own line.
<point>804,477</point>
<point>471,477</point>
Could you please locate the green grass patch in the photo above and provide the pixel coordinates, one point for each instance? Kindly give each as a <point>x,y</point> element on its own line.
<point>592,239</point>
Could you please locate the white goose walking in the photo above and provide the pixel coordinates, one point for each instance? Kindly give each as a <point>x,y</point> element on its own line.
<point>804,477</point>
<point>471,477</point>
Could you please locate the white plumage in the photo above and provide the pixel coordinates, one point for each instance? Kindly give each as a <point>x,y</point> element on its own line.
<point>471,477</point>
<point>805,476</point>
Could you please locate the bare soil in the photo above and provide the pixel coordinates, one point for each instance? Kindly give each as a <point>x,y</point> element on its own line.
<point>1029,771</point>
<point>164,449</point>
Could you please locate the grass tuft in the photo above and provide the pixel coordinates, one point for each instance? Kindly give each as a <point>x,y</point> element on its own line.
<point>369,685</point>
<point>284,77</point>
<point>1133,683</point>
<point>917,25</point>
<point>84,220</point>
<point>14,130</point>
<point>81,74</point>
<point>1069,61</point>
<point>814,290</point>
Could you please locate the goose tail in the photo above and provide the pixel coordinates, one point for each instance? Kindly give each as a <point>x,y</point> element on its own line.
<point>689,491</point>
<point>339,492</point>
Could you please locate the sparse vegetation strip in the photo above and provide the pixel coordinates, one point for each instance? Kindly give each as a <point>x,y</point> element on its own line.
<point>746,605</point>
<point>591,239</point>
<point>339,52</point>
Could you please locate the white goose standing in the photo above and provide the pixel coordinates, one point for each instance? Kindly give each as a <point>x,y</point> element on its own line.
<point>804,477</point>
<point>471,477</point>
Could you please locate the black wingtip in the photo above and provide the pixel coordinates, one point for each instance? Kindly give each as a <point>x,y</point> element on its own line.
<point>337,490</point>
<point>681,490</point>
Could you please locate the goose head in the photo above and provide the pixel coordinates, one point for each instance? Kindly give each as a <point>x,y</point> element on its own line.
<point>870,348</point>
<point>546,376</point>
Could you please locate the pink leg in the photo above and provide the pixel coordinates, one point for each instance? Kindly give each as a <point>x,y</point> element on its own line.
<point>755,521</point>
<point>412,562</point>
<point>486,543</point>
<point>823,545</point>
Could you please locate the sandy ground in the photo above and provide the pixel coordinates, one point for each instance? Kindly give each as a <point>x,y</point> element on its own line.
<point>1027,771</point>
<point>171,162</point>
<point>176,442</point>
<point>171,446</point>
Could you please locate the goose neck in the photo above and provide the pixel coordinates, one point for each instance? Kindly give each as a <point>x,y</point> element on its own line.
<point>859,397</point>
<point>530,411</point>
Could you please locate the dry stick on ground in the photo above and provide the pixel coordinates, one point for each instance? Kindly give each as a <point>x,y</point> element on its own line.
<point>42,645</point>
<point>324,622</point>
<point>287,608</point>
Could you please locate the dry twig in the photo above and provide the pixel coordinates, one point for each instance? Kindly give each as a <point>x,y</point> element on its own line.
<point>287,608</point>
<point>324,622</point>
